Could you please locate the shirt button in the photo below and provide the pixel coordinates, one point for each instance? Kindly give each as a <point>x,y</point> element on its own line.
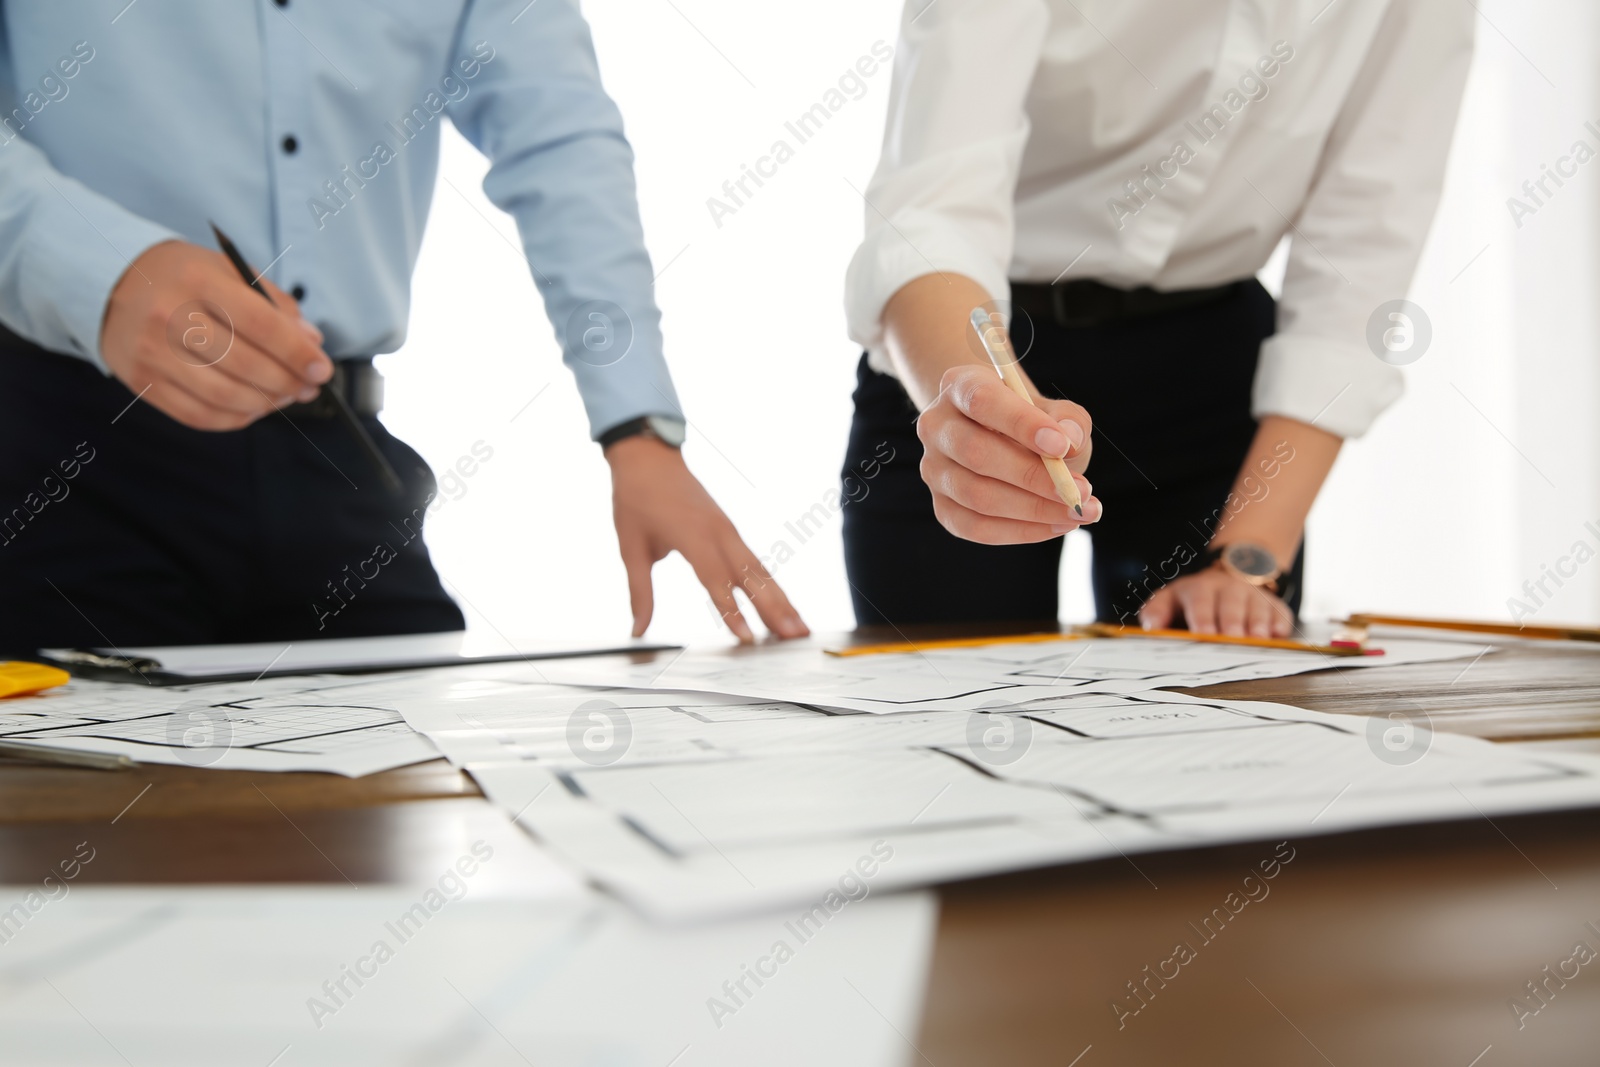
<point>290,145</point>
<point>298,292</point>
<point>283,3</point>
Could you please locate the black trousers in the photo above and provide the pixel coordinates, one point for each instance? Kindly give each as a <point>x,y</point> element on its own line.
<point>1170,400</point>
<point>119,526</point>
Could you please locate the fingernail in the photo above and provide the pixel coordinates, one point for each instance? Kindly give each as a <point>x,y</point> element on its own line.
<point>1074,433</point>
<point>320,370</point>
<point>1062,529</point>
<point>310,328</point>
<point>1051,441</point>
<point>307,395</point>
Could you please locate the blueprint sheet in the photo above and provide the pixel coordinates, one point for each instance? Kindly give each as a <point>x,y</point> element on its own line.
<point>977,679</point>
<point>276,724</point>
<point>346,725</point>
<point>690,804</point>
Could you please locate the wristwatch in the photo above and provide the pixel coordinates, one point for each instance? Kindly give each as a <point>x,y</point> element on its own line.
<point>1248,562</point>
<point>667,429</point>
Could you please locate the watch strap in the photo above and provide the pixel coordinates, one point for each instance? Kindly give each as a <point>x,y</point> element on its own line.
<point>624,430</point>
<point>1214,555</point>
<point>643,425</point>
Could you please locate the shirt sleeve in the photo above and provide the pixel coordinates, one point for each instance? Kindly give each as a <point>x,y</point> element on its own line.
<point>562,167</point>
<point>941,199</point>
<point>63,247</point>
<point>1361,228</point>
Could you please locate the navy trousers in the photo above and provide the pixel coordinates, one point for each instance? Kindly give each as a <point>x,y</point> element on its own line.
<point>120,527</point>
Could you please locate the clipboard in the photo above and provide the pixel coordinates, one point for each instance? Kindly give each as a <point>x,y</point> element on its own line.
<point>198,664</point>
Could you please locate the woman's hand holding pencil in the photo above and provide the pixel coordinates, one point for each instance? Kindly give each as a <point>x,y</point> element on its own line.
<point>985,446</point>
<point>984,452</point>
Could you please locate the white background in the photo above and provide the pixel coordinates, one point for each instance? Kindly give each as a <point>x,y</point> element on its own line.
<point>1485,471</point>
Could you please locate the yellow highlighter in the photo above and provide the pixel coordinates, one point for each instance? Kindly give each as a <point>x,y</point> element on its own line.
<point>18,678</point>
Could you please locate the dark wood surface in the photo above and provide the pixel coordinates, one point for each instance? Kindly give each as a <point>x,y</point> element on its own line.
<point>1400,946</point>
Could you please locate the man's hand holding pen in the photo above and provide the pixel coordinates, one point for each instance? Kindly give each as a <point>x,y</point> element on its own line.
<point>184,332</point>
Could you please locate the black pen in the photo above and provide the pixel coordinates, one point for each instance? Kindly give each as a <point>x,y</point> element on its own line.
<point>386,472</point>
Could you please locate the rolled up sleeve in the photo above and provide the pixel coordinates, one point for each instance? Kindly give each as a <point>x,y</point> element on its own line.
<point>941,198</point>
<point>1360,232</point>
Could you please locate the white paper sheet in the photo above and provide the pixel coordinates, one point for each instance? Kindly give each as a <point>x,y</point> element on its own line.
<point>276,724</point>
<point>977,679</point>
<point>294,976</point>
<point>689,805</point>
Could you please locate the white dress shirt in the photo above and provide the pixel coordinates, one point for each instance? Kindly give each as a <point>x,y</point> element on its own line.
<point>1173,144</point>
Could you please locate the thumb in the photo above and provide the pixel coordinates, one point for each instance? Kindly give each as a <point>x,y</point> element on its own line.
<point>641,596</point>
<point>1158,611</point>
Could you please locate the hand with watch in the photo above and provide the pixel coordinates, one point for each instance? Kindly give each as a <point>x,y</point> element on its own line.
<point>659,508</point>
<point>1240,590</point>
<point>1237,590</point>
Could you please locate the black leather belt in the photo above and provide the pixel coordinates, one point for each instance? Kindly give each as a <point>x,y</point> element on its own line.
<point>1082,303</point>
<point>357,380</point>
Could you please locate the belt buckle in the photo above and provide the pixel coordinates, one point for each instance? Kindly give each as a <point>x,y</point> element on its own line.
<point>1085,313</point>
<point>365,388</point>
<point>324,406</point>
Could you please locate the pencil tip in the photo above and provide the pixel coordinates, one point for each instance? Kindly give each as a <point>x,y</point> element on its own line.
<point>1079,509</point>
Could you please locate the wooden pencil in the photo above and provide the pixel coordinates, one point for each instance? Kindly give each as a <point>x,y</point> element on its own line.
<point>1103,629</point>
<point>948,642</point>
<point>998,346</point>
<point>1100,629</point>
<point>1509,629</point>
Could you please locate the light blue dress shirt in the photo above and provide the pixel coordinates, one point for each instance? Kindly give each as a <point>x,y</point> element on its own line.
<point>309,132</point>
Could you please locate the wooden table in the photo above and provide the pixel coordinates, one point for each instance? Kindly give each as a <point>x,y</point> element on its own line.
<point>1400,946</point>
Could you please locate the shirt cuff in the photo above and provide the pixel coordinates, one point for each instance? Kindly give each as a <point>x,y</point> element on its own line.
<point>917,243</point>
<point>81,248</point>
<point>636,385</point>
<point>1329,384</point>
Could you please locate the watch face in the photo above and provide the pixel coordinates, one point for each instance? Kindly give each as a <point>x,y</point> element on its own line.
<point>1252,560</point>
<point>670,431</point>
